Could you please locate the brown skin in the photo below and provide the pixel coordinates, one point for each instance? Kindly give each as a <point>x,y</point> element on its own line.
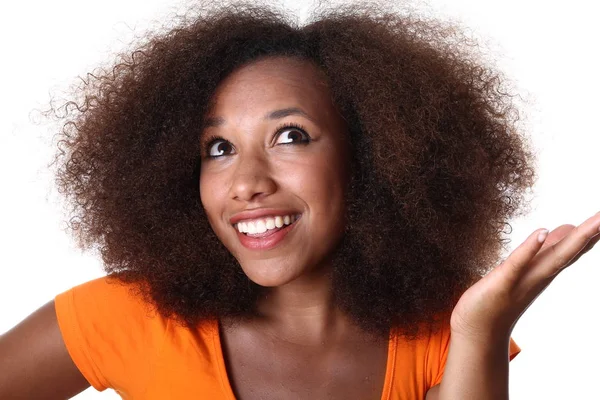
<point>409,97</point>
<point>34,362</point>
<point>347,366</point>
<point>300,326</point>
<point>315,350</point>
<point>129,161</point>
<point>46,371</point>
<point>266,172</point>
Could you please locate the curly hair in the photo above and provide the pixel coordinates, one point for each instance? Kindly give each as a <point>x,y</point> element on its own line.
<point>438,163</point>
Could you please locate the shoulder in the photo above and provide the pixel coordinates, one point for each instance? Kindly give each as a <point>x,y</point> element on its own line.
<point>109,330</point>
<point>106,297</point>
<point>418,362</point>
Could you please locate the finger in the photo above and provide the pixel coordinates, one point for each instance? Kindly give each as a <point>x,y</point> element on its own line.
<point>516,263</point>
<point>557,234</point>
<point>558,256</point>
<point>587,248</point>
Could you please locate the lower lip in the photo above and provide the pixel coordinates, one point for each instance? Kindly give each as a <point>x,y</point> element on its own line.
<point>267,242</point>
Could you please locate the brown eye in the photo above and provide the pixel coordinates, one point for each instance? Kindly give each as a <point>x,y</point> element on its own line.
<point>292,135</point>
<point>220,148</point>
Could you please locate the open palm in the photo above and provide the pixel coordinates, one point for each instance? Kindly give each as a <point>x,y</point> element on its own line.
<point>496,302</point>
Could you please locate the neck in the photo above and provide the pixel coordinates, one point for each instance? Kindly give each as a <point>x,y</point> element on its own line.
<point>303,311</point>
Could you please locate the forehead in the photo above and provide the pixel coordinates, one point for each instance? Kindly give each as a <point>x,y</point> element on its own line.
<point>270,84</point>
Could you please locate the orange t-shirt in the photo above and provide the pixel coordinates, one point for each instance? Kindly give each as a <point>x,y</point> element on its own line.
<point>118,342</point>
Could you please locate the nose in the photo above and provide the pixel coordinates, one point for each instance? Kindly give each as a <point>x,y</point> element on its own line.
<point>252,178</point>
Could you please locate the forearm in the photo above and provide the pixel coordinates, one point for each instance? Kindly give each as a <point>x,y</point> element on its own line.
<point>476,370</point>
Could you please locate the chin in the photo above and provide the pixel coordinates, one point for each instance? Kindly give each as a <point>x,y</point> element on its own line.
<point>270,274</point>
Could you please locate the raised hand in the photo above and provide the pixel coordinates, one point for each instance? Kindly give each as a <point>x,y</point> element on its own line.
<point>492,306</point>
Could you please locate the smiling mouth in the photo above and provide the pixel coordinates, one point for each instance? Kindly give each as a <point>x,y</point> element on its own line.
<point>260,238</point>
<point>264,227</point>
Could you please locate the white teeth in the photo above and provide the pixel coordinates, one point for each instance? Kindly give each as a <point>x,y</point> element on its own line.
<point>262,225</point>
<point>278,222</point>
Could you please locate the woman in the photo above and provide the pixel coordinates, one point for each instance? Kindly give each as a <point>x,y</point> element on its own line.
<point>301,208</point>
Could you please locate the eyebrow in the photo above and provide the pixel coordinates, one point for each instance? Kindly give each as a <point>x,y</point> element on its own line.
<point>277,114</point>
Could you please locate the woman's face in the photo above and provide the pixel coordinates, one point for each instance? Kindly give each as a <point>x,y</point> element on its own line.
<point>274,165</point>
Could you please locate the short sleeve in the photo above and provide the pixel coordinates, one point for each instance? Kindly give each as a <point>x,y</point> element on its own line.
<point>441,345</point>
<point>108,333</point>
<point>514,349</point>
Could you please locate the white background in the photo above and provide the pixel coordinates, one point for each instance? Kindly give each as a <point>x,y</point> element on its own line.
<point>549,49</point>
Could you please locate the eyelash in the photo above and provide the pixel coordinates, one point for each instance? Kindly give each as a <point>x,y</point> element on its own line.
<point>286,125</point>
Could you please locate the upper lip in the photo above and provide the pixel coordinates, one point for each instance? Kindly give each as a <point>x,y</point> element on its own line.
<point>261,212</point>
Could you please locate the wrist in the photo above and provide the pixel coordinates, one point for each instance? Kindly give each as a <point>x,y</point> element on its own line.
<point>487,338</point>
<point>477,367</point>
<point>485,332</point>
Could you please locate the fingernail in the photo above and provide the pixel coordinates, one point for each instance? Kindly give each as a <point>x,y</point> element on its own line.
<point>542,236</point>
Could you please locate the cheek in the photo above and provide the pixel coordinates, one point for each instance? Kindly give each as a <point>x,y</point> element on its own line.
<point>332,182</point>
<point>321,184</point>
<point>210,195</point>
